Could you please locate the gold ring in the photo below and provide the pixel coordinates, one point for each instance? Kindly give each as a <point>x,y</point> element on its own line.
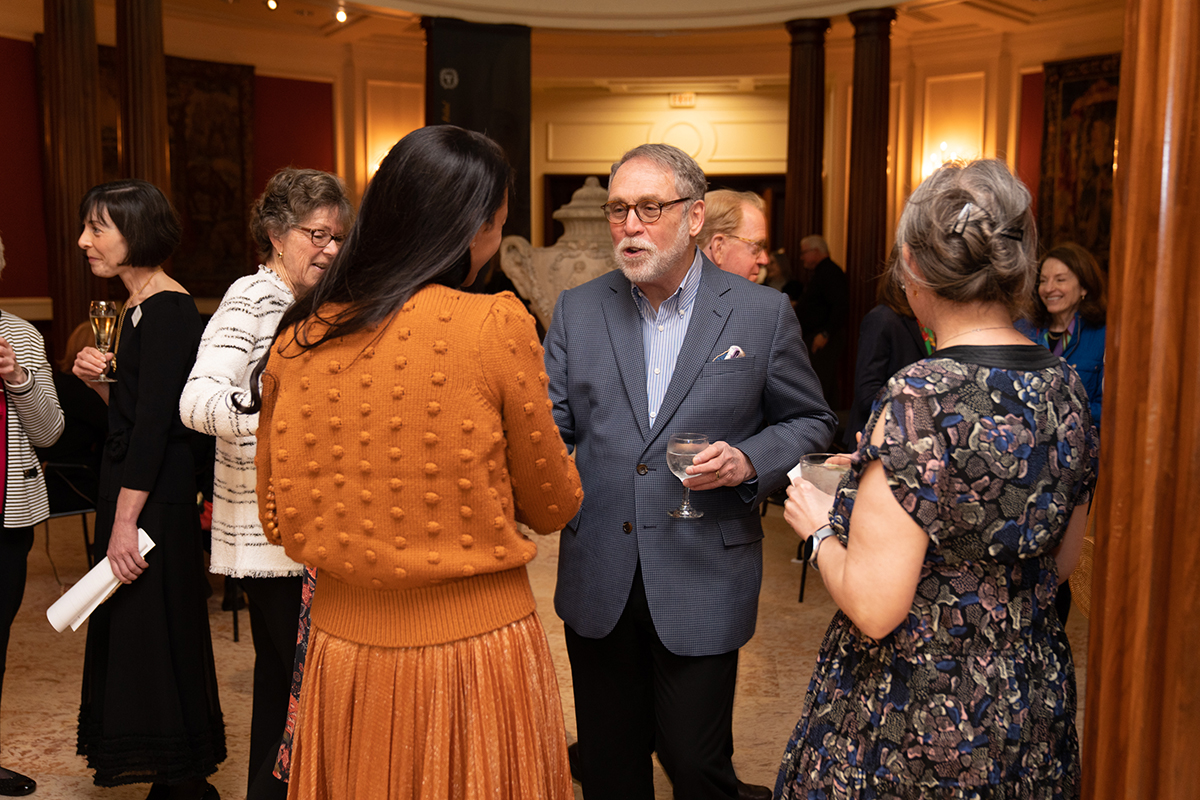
<point>718,474</point>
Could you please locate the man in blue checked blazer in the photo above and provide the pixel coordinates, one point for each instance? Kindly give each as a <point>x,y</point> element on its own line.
<point>655,607</point>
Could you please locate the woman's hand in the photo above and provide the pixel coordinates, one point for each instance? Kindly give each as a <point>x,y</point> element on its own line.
<point>90,363</point>
<point>10,370</point>
<point>123,557</point>
<point>807,508</point>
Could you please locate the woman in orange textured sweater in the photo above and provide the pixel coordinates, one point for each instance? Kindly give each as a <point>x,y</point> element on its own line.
<point>405,431</point>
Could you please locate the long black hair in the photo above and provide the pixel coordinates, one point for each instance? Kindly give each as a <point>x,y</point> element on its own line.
<point>432,193</point>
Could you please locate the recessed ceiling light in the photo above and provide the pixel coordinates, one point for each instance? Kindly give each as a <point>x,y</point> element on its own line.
<point>340,16</point>
<point>272,4</point>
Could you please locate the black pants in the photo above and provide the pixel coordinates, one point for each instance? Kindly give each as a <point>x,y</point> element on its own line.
<point>633,697</point>
<point>274,611</point>
<point>15,544</point>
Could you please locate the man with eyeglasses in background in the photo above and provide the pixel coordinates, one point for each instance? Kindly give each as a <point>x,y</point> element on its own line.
<point>734,236</point>
<point>656,607</point>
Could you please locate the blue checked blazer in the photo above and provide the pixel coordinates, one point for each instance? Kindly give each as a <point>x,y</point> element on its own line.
<point>702,576</point>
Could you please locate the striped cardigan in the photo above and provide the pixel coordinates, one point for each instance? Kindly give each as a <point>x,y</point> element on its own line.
<point>237,336</point>
<point>34,419</point>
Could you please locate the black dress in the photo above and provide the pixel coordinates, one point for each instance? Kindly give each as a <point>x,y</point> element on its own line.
<point>149,711</point>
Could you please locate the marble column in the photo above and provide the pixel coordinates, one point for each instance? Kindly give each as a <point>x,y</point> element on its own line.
<point>804,209</point>
<point>71,155</point>
<point>142,70</point>
<point>1143,685</point>
<point>866,224</point>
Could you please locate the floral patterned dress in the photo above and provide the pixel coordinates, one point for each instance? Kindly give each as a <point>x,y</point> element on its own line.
<point>989,449</point>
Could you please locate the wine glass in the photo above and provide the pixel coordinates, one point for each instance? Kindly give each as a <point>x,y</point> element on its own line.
<point>681,449</point>
<point>103,316</point>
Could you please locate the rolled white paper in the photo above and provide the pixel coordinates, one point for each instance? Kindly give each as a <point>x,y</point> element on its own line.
<point>93,589</point>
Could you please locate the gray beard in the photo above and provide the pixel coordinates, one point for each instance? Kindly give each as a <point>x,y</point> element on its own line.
<point>657,263</point>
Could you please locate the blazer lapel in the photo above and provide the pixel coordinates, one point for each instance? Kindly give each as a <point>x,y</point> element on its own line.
<point>709,316</point>
<point>625,336</point>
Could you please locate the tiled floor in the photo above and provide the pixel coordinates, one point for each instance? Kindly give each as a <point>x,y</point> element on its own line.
<point>37,723</point>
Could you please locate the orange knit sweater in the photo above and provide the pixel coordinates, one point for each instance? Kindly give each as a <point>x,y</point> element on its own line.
<point>397,461</point>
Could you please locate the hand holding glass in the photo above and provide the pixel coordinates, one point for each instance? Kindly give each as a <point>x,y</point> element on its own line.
<point>681,449</point>
<point>103,316</point>
<point>824,470</point>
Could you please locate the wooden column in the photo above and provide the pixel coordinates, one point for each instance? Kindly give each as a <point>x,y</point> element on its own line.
<point>866,224</point>
<point>71,143</point>
<point>1143,690</point>
<point>142,68</point>
<point>804,207</point>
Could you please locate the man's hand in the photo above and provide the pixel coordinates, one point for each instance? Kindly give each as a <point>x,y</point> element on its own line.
<point>719,464</point>
<point>819,341</point>
<point>10,370</point>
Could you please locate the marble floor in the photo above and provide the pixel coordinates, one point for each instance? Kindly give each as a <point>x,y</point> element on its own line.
<point>41,692</point>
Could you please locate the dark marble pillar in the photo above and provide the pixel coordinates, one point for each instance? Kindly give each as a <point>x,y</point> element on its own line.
<point>866,224</point>
<point>804,209</point>
<point>71,142</point>
<point>142,69</point>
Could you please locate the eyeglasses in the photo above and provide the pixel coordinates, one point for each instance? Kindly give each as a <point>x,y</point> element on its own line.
<point>321,237</point>
<point>647,211</point>
<point>756,247</point>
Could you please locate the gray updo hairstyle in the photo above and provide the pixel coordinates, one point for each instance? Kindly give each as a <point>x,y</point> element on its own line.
<point>970,229</point>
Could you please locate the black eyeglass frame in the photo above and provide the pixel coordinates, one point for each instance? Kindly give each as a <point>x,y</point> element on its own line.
<point>638,208</point>
<point>314,232</point>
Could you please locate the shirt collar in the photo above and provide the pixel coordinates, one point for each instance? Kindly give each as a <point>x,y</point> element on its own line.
<point>685,295</point>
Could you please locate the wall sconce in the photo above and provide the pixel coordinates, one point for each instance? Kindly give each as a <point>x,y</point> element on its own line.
<point>946,151</point>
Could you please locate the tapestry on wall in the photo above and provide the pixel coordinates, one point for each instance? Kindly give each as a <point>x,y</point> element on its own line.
<point>1079,153</point>
<point>210,116</point>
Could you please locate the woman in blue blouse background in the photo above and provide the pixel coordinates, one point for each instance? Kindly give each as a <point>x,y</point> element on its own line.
<point>1068,315</point>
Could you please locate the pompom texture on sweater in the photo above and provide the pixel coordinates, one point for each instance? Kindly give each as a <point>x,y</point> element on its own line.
<point>398,460</point>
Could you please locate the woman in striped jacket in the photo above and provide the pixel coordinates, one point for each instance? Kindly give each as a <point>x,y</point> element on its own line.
<point>32,418</point>
<point>298,224</point>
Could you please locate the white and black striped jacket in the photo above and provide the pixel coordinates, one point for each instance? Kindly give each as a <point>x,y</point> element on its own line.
<point>35,419</point>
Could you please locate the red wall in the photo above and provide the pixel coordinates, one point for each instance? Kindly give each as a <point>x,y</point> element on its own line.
<point>22,225</point>
<point>1029,136</point>
<point>293,127</point>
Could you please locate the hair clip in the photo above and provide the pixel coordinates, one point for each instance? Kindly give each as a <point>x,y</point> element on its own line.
<point>1016,234</point>
<point>960,224</point>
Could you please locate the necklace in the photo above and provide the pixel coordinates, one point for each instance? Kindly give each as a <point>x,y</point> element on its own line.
<point>121,319</point>
<point>973,330</point>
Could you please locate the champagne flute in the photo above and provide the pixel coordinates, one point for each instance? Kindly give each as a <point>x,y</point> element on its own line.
<point>681,449</point>
<point>103,316</point>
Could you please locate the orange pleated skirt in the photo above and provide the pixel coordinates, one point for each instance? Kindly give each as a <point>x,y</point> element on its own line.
<point>472,719</point>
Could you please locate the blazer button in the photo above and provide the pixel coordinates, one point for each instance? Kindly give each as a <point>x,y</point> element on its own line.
<point>642,469</point>
<point>627,527</point>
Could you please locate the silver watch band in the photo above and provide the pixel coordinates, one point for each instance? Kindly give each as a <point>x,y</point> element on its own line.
<point>819,535</point>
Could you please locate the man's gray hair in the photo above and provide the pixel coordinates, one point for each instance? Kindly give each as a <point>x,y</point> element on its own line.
<point>815,242</point>
<point>690,182</point>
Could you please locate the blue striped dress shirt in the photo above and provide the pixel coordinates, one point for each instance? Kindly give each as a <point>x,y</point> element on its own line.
<point>663,332</point>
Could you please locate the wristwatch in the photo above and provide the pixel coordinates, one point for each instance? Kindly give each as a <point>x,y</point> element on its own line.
<point>820,535</point>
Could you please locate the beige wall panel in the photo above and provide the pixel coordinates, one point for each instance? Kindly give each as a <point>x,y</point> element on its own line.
<point>394,110</point>
<point>593,141</point>
<point>953,119</point>
<point>751,141</point>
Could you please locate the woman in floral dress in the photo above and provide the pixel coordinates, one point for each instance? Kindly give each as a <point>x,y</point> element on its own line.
<point>946,673</point>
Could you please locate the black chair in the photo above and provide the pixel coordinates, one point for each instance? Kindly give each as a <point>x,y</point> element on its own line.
<point>803,550</point>
<point>71,489</point>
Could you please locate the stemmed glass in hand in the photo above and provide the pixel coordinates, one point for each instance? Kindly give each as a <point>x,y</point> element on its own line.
<point>681,449</point>
<point>103,316</point>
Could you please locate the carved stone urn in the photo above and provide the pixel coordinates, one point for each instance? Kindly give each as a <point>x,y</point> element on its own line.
<point>583,252</point>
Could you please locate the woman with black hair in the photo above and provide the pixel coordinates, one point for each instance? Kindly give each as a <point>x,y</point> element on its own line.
<point>149,711</point>
<point>405,428</point>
